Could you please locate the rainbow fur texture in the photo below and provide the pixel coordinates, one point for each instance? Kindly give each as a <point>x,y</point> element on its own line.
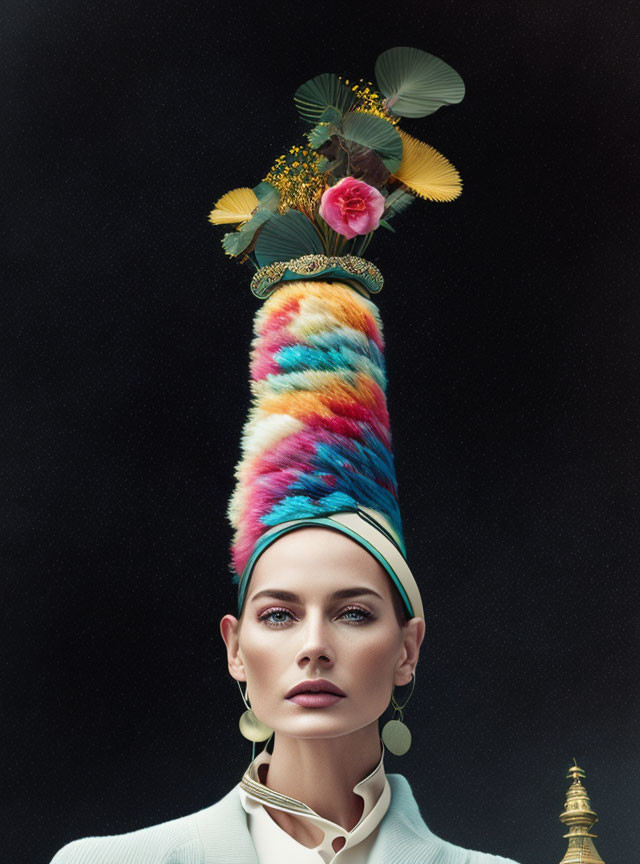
<point>317,439</point>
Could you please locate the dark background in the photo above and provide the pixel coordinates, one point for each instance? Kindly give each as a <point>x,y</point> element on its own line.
<point>512,322</point>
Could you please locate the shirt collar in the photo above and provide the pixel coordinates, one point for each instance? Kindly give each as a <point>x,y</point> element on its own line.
<point>369,789</point>
<point>374,790</point>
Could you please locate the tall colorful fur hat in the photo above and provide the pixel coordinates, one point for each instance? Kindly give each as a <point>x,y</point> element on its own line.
<point>317,438</point>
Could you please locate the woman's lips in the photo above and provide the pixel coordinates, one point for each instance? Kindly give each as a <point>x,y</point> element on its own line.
<point>315,700</point>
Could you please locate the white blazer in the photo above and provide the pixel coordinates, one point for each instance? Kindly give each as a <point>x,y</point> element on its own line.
<point>219,835</point>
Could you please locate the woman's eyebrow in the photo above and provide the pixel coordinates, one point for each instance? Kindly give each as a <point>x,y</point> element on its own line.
<point>289,596</point>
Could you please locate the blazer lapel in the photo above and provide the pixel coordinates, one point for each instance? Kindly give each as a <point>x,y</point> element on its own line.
<point>403,837</point>
<point>224,833</point>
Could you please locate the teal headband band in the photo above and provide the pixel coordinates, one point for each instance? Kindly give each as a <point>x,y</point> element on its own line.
<point>365,528</point>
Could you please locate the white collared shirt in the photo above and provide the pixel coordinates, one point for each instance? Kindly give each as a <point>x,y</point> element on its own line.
<point>273,844</point>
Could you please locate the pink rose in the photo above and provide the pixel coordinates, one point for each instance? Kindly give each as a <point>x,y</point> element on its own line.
<point>352,207</point>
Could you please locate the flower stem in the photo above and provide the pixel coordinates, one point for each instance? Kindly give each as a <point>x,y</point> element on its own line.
<point>362,245</point>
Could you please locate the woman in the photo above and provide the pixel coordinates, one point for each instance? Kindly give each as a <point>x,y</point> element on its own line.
<point>330,618</point>
<point>321,643</point>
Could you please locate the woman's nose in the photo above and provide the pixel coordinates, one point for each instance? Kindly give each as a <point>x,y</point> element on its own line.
<point>316,644</point>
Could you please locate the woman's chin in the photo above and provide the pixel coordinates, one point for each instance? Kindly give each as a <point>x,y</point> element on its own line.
<point>314,726</point>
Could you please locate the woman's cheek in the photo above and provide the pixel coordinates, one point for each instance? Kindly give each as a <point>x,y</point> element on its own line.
<point>374,660</point>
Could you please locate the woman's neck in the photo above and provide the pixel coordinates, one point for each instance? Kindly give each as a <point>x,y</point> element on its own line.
<point>321,772</point>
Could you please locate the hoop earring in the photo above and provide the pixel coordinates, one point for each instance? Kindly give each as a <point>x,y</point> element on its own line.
<point>396,736</point>
<point>251,727</point>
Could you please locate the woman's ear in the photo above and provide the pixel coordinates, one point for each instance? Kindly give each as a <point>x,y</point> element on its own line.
<point>412,636</point>
<point>229,627</point>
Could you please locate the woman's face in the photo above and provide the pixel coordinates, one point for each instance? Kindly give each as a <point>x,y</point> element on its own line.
<point>319,606</point>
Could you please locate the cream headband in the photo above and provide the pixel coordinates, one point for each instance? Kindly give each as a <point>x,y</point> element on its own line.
<point>367,528</point>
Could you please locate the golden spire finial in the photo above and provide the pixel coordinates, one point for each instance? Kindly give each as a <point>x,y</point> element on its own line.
<point>579,818</point>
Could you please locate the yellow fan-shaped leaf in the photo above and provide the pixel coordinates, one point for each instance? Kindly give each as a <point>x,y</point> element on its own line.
<point>426,172</point>
<point>236,206</point>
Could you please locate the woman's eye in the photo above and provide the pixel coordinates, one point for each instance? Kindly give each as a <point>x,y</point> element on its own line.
<point>276,617</point>
<point>355,614</point>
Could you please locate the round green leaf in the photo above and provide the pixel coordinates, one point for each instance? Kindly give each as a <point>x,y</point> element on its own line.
<point>416,83</point>
<point>285,236</point>
<point>323,98</point>
<point>377,134</point>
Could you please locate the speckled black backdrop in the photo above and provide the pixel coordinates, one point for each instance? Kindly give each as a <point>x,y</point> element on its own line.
<point>512,325</point>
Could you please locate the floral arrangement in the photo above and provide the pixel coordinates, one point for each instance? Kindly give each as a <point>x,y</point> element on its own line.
<point>356,172</point>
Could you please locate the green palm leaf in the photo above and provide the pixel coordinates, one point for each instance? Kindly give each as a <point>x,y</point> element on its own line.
<point>267,195</point>
<point>323,99</point>
<point>416,83</point>
<point>319,134</point>
<point>237,241</point>
<point>398,202</point>
<point>384,224</point>
<point>285,236</point>
<point>377,134</point>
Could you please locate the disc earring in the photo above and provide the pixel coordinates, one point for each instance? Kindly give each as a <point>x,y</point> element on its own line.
<point>395,735</point>
<point>251,727</point>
